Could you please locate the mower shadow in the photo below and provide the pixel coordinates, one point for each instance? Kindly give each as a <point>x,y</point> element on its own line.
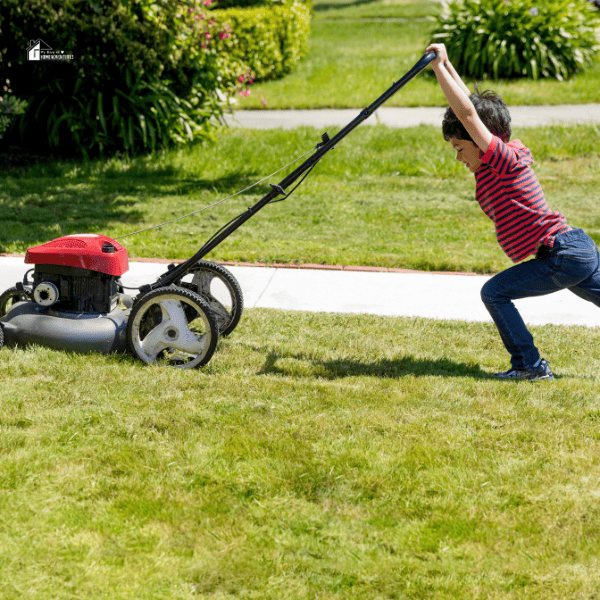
<point>384,368</point>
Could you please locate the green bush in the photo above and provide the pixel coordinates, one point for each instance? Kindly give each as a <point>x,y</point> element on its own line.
<point>223,4</point>
<point>519,38</point>
<point>138,80</point>
<point>269,41</point>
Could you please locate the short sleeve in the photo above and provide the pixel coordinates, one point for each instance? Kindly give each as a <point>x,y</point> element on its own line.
<point>507,158</point>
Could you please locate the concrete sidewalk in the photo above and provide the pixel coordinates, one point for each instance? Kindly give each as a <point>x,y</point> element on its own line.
<point>412,294</point>
<point>522,116</point>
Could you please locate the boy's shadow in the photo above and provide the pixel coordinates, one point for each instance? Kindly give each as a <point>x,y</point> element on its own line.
<point>394,368</point>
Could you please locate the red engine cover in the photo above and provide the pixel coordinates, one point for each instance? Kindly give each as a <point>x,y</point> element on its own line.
<point>84,251</point>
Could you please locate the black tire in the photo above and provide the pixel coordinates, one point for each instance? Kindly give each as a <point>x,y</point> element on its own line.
<point>227,314</point>
<point>1,336</point>
<point>173,325</point>
<point>9,297</point>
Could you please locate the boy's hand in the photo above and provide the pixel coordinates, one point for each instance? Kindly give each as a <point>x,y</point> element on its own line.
<point>441,54</point>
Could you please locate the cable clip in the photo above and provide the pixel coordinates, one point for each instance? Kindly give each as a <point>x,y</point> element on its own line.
<point>325,137</point>
<point>279,190</point>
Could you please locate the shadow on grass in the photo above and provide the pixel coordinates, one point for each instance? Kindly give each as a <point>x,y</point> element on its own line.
<point>42,205</point>
<point>400,367</point>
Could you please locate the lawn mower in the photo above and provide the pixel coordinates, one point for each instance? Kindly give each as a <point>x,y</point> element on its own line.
<point>73,298</point>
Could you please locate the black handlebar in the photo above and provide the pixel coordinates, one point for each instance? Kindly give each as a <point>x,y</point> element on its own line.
<point>276,190</point>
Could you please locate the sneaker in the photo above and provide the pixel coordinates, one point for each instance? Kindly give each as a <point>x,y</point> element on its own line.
<point>542,371</point>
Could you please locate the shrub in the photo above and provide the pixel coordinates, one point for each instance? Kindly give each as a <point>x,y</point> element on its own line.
<point>519,38</point>
<point>223,4</point>
<point>138,79</point>
<point>269,41</point>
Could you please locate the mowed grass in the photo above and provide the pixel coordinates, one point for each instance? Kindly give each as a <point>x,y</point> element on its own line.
<point>357,50</point>
<point>383,197</point>
<point>316,456</point>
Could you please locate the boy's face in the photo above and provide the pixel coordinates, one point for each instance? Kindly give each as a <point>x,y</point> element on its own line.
<point>467,152</point>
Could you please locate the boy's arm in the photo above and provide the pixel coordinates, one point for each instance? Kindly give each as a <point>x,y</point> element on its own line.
<point>457,94</point>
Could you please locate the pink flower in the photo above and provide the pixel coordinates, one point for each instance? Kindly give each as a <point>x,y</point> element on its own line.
<point>264,101</point>
<point>224,35</point>
<point>241,78</point>
<point>207,35</point>
<point>245,93</point>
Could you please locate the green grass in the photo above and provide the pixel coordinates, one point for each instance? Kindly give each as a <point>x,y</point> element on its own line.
<point>383,197</point>
<point>353,60</point>
<point>316,456</point>
<point>375,9</point>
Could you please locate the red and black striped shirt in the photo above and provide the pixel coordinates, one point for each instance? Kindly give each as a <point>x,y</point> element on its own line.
<point>510,194</point>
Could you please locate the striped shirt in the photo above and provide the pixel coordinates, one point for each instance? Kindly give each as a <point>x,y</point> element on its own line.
<point>510,194</point>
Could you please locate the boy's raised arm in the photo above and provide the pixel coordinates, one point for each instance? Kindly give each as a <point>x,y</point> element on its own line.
<point>457,94</point>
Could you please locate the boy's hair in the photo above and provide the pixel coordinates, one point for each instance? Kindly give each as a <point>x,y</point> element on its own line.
<point>491,110</point>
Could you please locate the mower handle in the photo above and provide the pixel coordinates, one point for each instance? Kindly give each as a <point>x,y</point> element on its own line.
<point>327,144</point>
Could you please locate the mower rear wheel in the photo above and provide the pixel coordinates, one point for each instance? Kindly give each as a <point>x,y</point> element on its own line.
<point>222,292</point>
<point>172,326</point>
<point>9,297</point>
<point>1,337</point>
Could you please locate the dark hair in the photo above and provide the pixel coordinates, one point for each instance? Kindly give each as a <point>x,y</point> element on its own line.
<point>491,110</point>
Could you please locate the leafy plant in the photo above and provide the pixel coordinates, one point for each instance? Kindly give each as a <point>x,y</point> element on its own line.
<point>519,38</point>
<point>9,108</point>
<point>139,78</point>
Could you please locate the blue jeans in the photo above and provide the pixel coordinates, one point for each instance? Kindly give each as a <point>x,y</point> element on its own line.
<point>572,263</point>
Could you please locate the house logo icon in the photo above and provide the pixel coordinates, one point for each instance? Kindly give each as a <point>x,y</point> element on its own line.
<point>39,50</point>
<point>34,52</point>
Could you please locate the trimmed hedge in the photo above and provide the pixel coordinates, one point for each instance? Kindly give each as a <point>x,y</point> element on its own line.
<point>224,4</point>
<point>268,40</point>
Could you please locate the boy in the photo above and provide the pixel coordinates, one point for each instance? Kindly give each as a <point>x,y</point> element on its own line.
<point>478,128</point>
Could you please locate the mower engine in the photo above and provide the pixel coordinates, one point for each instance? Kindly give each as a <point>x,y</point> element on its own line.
<point>78,273</point>
<point>73,299</point>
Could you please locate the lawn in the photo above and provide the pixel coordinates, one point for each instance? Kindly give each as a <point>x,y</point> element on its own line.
<point>316,456</point>
<point>383,197</point>
<point>358,49</point>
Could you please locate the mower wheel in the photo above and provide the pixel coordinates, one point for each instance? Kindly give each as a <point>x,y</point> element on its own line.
<point>172,326</point>
<point>9,297</point>
<point>1,337</point>
<point>222,292</point>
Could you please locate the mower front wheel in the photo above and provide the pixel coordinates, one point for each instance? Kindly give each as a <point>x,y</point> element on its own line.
<point>172,326</point>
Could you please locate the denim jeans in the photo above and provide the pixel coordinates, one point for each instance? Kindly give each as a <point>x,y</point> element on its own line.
<point>572,263</point>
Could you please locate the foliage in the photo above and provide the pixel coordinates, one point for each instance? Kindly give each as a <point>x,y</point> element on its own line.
<point>224,4</point>
<point>270,41</point>
<point>9,108</point>
<point>519,38</point>
<point>138,80</point>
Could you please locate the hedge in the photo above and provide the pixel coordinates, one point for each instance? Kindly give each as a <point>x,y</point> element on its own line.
<point>268,40</point>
